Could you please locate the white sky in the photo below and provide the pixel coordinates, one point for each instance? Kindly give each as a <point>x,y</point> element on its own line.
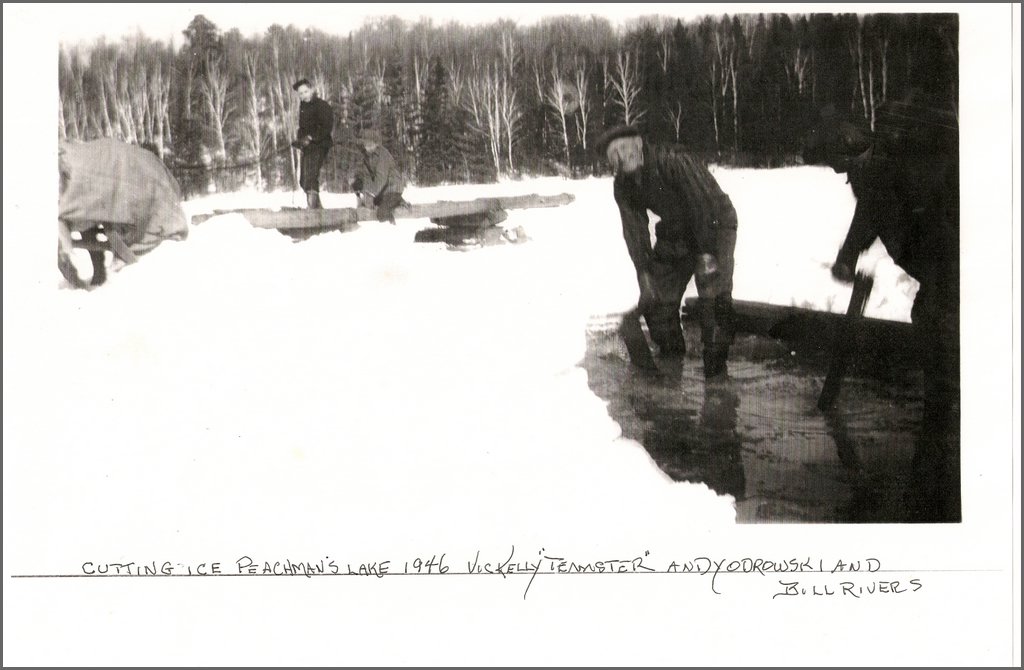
<point>87,21</point>
<point>162,21</point>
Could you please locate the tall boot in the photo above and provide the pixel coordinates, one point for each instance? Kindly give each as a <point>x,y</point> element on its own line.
<point>666,330</point>
<point>99,268</point>
<point>716,324</point>
<point>313,200</point>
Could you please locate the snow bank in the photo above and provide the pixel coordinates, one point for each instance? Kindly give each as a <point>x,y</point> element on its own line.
<point>792,223</point>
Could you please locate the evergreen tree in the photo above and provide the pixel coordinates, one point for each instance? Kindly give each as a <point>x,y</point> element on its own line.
<point>739,88</point>
<point>394,120</point>
<point>437,160</point>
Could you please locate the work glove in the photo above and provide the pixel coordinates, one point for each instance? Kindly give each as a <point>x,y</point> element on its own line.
<point>302,142</point>
<point>842,272</point>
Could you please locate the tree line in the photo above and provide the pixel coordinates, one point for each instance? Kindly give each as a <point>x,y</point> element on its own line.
<point>471,104</point>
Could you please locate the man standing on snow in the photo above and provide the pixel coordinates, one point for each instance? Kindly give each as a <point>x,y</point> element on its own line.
<point>379,183</point>
<point>696,236</point>
<point>316,120</point>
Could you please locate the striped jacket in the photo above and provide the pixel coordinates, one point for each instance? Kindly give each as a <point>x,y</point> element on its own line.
<point>678,187</point>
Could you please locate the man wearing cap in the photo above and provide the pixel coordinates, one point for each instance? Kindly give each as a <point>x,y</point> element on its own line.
<point>379,183</point>
<point>316,120</point>
<point>696,236</point>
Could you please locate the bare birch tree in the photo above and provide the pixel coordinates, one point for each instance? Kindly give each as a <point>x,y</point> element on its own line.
<point>725,52</point>
<point>214,89</point>
<point>511,115</point>
<point>625,81</point>
<point>254,135</point>
<point>290,117</point>
<point>508,101</point>
<point>665,50</point>
<point>733,57</point>
<point>714,78</point>
<point>456,83</point>
<point>481,101</point>
<point>558,95</point>
<point>796,67</point>
<point>160,103</point>
<point>674,112</point>
<point>855,45</point>
<point>581,79</point>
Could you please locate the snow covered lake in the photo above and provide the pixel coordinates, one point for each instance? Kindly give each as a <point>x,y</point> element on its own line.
<point>360,397</point>
<point>361,381</point>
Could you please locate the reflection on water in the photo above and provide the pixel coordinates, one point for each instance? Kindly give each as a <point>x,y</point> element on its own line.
<point>758,435</point>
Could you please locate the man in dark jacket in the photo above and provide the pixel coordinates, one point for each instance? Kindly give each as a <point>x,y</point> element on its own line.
<point>906,178</point>
<point>316,120</point>
<point>696,236</point>
<point>379,183</point>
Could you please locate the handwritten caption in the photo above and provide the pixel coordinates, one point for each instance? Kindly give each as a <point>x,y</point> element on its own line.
<point>788,577</point>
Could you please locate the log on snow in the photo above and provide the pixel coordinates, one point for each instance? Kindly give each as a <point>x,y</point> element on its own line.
<point>346,218</point>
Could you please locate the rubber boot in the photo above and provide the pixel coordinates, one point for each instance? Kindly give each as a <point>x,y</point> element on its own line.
<point>666,330</point>
<point>97,256</point>
<point>716,333</point>
<point>99,268</point>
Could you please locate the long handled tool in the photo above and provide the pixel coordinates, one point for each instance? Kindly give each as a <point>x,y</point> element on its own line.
<point>636,342</point>
<point>845,342</point>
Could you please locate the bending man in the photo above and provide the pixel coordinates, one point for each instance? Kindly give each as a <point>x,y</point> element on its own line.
<point>696,236</point>
<point>379,183</point>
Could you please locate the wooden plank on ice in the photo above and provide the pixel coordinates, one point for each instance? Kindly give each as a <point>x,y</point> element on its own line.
<point>784,322</point>
<point>347,218</point>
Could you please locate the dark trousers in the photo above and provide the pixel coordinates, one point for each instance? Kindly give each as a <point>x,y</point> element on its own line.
<point>673,265</point>
<point>936,319</point>
<point>386,203</point>
<point>388,200</point>
<point>313,158</point>
<point>98,257</point>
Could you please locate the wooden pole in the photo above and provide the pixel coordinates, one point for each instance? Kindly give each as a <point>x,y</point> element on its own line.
<point>347,218</point>
<point>845,344</point>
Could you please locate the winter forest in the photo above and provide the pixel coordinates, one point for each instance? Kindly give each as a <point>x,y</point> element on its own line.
<point>475,104</point>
